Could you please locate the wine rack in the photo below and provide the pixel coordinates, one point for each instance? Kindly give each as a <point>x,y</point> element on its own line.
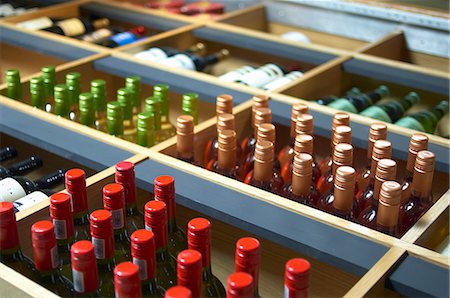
<point>347,259</point>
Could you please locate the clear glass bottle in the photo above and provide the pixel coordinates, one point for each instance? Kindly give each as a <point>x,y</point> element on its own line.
<point>124,98</point>
<point>161,91</point>
<point>189,271</point>
<point>388,208</point>
<point>98,91</point>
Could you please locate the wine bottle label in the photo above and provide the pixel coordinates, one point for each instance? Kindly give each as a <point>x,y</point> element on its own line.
<point>11,190</point>
<point>408,122</point>
<point>343,105</point>
<point>54,257</point>
<point>261,76</point>
<point>142,264</point>
<point>179,61</point>
<point>60,228</point>
<point>280,82</point>
<point>72,27</point>
<point>97,36</point>
<point>296,36</point>
<point>99,247</point>
<point>376,113</point>
<point>29,200</point>
<point>153,54</point>
<point>117,218</point>
<point>124,38</point>
<point>237,74</point>
<point>78,281</point>
<point>36,24</point>
<point>6,9</point>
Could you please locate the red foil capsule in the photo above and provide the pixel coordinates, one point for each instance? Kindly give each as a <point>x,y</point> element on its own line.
<point>9,236</point>
<point>143,253</point>
<point>199,238</point>
<point>84,267</point>
<point>126,281</point>
<point>156,221</point>
<point>165,191</point>
<point>125,176</point>
<point>189,271</point>
<point>240,285</point>
<point>61,215</point>
<point>114,202</point>
<point>76,187</point>
<point>247,258</point>
<point>44,246</point>
<point>296,278</point>
<point>102,234</point>
<point>178,292</point>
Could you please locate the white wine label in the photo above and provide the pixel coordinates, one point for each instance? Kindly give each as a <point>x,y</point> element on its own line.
<point>99,247</point>
<point>78,280</point>
<point>11,190</point>
<point>97,36</point>
<point>236,75</point>
<point>296,36</point>
<point>117,218</point>
<point>179,61</point>
<point>36,24</point>
<point>277,83</point>
<point>142,264</point>
<point>261,76</point>
<point>60,229</point>
<point>55,257</point>
<point>153,54</point>
<point>72,27</point>
<point>29,200</point>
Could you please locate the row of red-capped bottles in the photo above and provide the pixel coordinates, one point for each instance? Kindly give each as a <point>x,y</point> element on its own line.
<point>296,174</point>
<point>75,253</point>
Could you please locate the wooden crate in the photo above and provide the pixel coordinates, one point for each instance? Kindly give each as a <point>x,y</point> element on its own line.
<point>348,259</point>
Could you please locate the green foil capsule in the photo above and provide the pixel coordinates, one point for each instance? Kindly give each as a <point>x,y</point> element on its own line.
<point>114,118</point>
<point>14,88</point>
<point>133,84</point>
<point>37,93</point>
<point>98,90</point>
<point>73,82</point>
<point>190,105</point>
<point>87,111</point>
<point>153,105</point>
<point>124,97</point>
<point>49,80</point>
<point>162,92</point>
<point>146,129</point>
<point>62,105</point>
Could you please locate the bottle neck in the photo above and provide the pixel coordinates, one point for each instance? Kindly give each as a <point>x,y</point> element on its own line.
<point>226,159</point>
<point>9,255</point>
<point>262,170</point>
<point>81,218</point>
<point>301,183</point>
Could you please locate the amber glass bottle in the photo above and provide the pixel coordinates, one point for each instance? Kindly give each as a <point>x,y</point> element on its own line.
<point>249,142</point>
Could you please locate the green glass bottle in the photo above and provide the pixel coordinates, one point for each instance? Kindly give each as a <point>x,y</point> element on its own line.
<point>329,99</point>
<point>114,118</point>
<point>14,88</point>
<point>393,110</point>
<point>75,180</point>
<point>102,237</point>
<point>10,252</point>
<point>155,216</point>
<point>73,82</point>
<point>357,102</point>
<point>49,78</point>
<point>124,97</point>
<point>62,104</point>
<point>199,239</point>
<point>153,105</point>
<point>164,190</point>
<point>425,121</point>
<point>37,93</point>
<point>87,111</point>
<point>61,216</point>
<point>190,105</point>
<point>146,129</point>
<point>161,91</point>
<point>133,85</point>
<point>113,201</point>
<point>98,90</point>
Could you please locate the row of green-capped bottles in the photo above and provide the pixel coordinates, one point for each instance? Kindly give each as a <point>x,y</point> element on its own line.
<point>124,117</point>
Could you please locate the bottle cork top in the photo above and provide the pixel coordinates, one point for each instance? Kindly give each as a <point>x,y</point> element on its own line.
<point>343,155</point>
<point>304,124</point>
<point>381,149</point>
<point>302,164</point>
<point>345,177</point>
<point>224,104</point>
<point>425,161</point>
<point>342,134</point>
<point>258,101</point>
<point>266,132</point>
<point>386,169</point>
<point>303,144</point>
<point>264,151</point>
<point>339,119</point>
<point>418,142</point>
<point>227,140</point>
<point>390,193</point>
<point>225,121</point>
<point>262,115</point>
<point>377,131</point>
<point>185,124</point>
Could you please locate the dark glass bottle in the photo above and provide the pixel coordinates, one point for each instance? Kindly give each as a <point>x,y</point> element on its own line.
<point>425,121</point>
<point>240,285</point>
<point>189,271</point>
<point>22,167</point>
<point>77,26</point>
<point>329,99</point>
<point>248,143</point>
<point>185,139</point>
<point>124,38</point>
<point>247,259</point>
<point>391,111</point>
<point>76,188</point>
<point>356,103</point>
<point>31,199</point>
<point>160,53</point>
<point>7,153</point>
<point>16,187</point>
<point>126,281</point>
<point>199,239</point>
<point>61,216</point>
<point>193,61</point>
<point>296,278</point>
<point>417,143</point>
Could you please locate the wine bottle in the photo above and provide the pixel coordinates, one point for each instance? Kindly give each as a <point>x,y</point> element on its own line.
<point>126,280</point>
<point>76,188</point>
<point>382,149</point>
<point>99,35</point>
<point>156,54</point>
<point>77,26</point>
<point>296,36</point>
<point>49,80</point>
<point>417,143</point>
<point>302,188</point>
<point>189,105</point>
<point>296,278</point>
<point>263,175</point>
<point>133,85</point>
<point>377,131</point>
<point>124,98</point>
<point>262,115</point>
<point>248,143</point>
<point>98,91</point>
<point>412,208</point>
<point>87,109</point>
<point>156,221</point>
<point>143,255</point>
<point>178,292</point>
<point>153,105</point>
<point>14,88</point>
<point>193,61</point>
<point>164,191</point>
<point>282,81</point>
<point>340,200</point>
<point>287,153</point>
<point>339,119</point>
<point>73,83</point>
<point>161,91</point>
<point>114,201</point>
<point>7,153</point>
<point>236,74</point>
<point>199,239</point>
<point>262,75</point>
<point>227,162</point>
<point>125,176</point>
<point>329,99</point>
<point>145,129</point>
<point>185,138</point>
<point>210,153</point>
<point>37,94</point>
<point>358,102</point>
<point>388,208</point>
<point>247,260</point>
<point>62,103</point>
<point>240,285</point>
<point>31,199</point>
<point>102,237</point>
<point>36,24</point>
<point>391,111</point>
<point>124,38</point>
<point>342,156</point>
<point>61,216</point>
<point>425,121</point>
<point>386,171</point>
<point>114,118</point>
<point>10,252</point>
<point>16,187</point>
<point>22,167</point>
<point>189,271</point>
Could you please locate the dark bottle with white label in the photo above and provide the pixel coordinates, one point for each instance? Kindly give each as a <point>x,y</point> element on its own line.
<point>32,199</point>
<point>161,53</point>
<point>192,61</point>
<point>21,167</point>
<point>16,187</point>
<point>263,75</point>
<point>124,38</point>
